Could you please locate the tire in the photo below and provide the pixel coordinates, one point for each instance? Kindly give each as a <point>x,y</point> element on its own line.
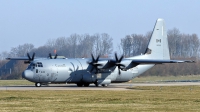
<point>96,84</point>
<point>79,84</point>
<point>37,84</point>
<point>86,84</point>
<point>104,85</point>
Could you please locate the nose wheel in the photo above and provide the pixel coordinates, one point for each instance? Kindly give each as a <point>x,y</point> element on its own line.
<point>37,84</point>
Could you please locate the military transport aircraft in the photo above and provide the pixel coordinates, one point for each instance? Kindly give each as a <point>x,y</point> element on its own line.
<point>84,71</point>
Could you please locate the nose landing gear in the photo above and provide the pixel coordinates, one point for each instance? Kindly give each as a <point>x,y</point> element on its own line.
<point>37,84</point>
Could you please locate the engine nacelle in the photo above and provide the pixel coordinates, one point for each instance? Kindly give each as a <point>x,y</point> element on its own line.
<point>111,63</point>
<point>103,63</point>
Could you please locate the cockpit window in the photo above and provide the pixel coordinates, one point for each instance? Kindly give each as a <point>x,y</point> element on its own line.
<point>39,64</point>
<point>31,65</point>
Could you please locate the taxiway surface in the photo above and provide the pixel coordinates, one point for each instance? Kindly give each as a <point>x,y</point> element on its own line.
<point>113,86</point>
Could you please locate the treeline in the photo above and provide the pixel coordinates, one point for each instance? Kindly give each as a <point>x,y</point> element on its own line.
<point>181,46</point>
<point>74,46</point>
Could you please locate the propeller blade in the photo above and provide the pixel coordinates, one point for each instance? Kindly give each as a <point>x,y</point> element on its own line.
<point>98,64</point>
<point>116,58</point>
<point>118,63</point>
<point>97,58</point>
<point>26,62</point>
<point>94,63</point>
<point>122,65</point>
<point>33,56</point>
<point>92,58</point>
<point>121,58</point>
<point>29,58</point>
<point>55,56</point>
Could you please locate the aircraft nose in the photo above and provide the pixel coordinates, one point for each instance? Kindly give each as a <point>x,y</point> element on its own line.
<point>27,74</point>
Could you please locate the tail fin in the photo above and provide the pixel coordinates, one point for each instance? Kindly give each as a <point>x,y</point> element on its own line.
<point>158,45</point>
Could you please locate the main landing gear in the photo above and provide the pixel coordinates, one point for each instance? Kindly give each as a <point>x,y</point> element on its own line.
<point>37,84</point>
<point>87,84</point>
<point>83,84</point>
<point>103,85</point>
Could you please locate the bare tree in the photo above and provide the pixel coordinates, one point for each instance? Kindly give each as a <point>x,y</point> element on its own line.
<point>134,44</point>
<point>174,38</point>
<point>21,50</point>
<point>103,44</point>
<point>85,46</point>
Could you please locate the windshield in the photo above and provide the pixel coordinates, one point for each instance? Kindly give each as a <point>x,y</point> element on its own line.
<point>31,65</point>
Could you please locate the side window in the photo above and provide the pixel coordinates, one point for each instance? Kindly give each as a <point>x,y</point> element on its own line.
<point>39,64</point>
<point>36,70</point>
<point>34,66</point>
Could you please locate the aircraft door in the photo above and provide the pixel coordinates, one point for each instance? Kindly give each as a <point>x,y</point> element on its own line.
<point>36,76</point>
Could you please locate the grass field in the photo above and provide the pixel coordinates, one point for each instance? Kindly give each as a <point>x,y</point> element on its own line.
<point>162,99</point>
<point>165,78</point>
<point>15,82</point>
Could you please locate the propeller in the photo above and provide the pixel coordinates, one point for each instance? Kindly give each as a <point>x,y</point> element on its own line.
<point>29,58</point>
<point>118,63</point>
<point>94,63</point>
<point>50,56</point>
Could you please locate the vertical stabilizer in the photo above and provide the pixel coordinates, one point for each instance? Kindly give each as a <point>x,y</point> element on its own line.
<point>158,45</point>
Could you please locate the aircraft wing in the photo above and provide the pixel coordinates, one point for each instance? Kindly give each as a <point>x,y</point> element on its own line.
<point>135,62</point>
<point>22,58</point>
<point>150,61</point>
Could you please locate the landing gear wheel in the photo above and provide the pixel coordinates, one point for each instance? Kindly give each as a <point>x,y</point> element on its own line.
<point>104,85</point>
<point>86,84</point>
<point>96,84</point>
<point>79,84</point>
<point>37,84</point>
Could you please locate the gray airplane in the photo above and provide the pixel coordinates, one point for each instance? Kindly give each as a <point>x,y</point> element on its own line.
<point>84,72</point>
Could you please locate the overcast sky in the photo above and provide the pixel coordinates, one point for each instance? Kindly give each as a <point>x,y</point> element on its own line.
<point>36,21</point>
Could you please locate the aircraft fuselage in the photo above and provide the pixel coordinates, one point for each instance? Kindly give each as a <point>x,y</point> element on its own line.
<point>76,71</point>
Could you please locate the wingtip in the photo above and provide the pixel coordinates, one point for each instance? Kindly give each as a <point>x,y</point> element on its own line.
<point>190,61</point>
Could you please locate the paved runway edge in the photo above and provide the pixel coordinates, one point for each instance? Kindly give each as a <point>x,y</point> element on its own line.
<point>121,86</point>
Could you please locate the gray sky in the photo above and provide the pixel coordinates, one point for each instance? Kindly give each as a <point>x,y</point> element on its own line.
<point>28,21</point>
